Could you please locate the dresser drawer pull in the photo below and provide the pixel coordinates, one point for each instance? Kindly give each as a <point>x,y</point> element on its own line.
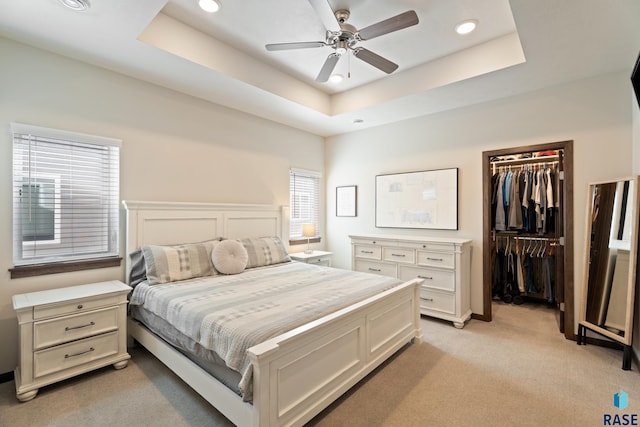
<point>366,252</point>
<point>70,328</point>
<point>374,269</point>
<point>399,255</point>
<point>79,307</point>
<point>435,259</point>
<point>66,356</point>
<point>425,277</point>
<point>428,299</point>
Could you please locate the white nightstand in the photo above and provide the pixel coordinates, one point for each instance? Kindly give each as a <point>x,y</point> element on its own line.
<point>316,257</point>
<point>69,331</point>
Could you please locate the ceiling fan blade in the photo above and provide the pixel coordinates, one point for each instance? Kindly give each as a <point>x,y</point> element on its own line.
<point>325,13</point>
<point>395,23</point>
<point>327,68</point>
<point>376,60</point>
<point>295,45</point>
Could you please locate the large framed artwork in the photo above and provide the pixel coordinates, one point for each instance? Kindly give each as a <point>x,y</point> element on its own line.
<point>424,199</point>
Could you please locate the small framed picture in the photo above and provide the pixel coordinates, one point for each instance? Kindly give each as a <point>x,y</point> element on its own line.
<point>346,200</point>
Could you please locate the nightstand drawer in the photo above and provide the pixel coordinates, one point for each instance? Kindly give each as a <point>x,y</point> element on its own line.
<point>76,353</point>
<point>325,261</point>
<point>436,259</point>
<point>399,255</point>
<point>433,278</point>
<point>78,306</point>
<point>375,268</point>
<point>437,301</point>
<point>367,252</point>
<point>60,330</point>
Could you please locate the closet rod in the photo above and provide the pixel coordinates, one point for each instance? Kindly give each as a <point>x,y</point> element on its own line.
<point>520,166</point>
<point>525,160</point>
<point>548,239</point>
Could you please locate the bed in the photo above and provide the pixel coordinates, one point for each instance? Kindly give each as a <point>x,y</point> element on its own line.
<point>296,373</point>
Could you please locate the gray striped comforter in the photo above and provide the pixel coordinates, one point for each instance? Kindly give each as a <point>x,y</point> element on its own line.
<point>229,314</point>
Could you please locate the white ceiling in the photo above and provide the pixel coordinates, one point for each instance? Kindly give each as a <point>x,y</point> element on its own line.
<point>519,46</point>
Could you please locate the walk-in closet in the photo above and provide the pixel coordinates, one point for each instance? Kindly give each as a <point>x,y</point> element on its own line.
<point>528,239</point>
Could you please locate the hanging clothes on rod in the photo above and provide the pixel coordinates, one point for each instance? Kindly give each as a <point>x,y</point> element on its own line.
<point>525,197</point>
<point>524,267</point>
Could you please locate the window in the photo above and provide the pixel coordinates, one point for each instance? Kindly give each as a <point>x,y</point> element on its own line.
<point>65,196</point>
<point>304,193</point>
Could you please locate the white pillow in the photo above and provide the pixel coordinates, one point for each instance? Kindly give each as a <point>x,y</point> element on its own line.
<point>229,257</point>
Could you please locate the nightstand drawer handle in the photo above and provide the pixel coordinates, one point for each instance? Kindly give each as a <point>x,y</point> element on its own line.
<point>79,307</point>
<point>425,277</point>
<point>428,299</point>
<point>70,328</point>
<point>435,259</point>
<point>366,252</point>
<point>374,269</point>
<point>400,255</point>
<point>66,356</point>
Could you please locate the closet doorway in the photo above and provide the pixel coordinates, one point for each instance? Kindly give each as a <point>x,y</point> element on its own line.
<point>540,237</point>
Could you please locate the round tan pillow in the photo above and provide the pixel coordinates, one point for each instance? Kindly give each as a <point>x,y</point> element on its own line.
<point>229,257</point>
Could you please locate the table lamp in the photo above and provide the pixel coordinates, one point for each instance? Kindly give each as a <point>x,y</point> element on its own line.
<point>308,231</point>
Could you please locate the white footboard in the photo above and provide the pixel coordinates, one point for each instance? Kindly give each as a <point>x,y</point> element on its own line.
<point>298,374</point>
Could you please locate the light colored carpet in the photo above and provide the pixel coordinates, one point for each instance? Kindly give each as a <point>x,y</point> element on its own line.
<point>515,371</point>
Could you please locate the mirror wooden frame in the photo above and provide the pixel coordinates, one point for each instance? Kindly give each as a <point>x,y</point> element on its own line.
<point>584,324</point>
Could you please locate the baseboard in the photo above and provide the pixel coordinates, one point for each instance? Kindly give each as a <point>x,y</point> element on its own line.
<point>6,377</point>
<point>480,317</point>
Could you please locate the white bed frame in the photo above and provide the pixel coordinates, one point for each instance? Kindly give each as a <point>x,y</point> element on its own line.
<point>299,373</point>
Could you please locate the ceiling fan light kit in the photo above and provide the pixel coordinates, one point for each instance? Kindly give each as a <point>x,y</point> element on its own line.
<point>342,37</point>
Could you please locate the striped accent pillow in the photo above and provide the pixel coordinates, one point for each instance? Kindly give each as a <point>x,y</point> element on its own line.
<point>166,264</point>
<point>265,251</point>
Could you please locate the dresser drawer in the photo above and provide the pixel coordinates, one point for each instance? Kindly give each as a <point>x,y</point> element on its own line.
<point>433,278</point>
<point>436,246</point>
<point>437,301</point>
<point>436,259</point>
<point>402,255</point>
<point>77,306</point>
<point>367,252</point>
<point>375,268</point>
<point>75,353</point>
<point>47,333</point>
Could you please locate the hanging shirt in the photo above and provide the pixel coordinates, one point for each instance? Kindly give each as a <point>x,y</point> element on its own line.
<point>500,219</point>
<point>515,205</point>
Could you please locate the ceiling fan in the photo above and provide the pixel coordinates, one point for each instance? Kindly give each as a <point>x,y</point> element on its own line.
<point>343,37</point>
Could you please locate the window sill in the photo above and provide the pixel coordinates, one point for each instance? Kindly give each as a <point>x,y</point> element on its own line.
<point>303,241</point>
<point>63,267</point>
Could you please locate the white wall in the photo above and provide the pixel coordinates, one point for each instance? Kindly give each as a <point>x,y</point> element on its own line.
<point>594,113</point>
<point>175,148</point>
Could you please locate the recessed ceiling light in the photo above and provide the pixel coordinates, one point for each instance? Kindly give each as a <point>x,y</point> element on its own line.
<point>465,27</point>
<point>210,6</point>
<point>335,78</point>
<point>75,4</point>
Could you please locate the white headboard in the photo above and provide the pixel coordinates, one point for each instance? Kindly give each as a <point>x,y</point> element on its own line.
<point>166,223</point>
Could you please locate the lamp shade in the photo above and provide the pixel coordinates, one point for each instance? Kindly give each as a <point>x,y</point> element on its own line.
<point>308,230</point>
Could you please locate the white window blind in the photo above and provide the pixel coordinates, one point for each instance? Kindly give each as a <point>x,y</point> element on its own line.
<point>65,196</point>
<point>304,193</point>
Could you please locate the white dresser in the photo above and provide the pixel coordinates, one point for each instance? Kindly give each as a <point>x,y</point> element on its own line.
<point>69,331</point>
<point>443,263</point>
